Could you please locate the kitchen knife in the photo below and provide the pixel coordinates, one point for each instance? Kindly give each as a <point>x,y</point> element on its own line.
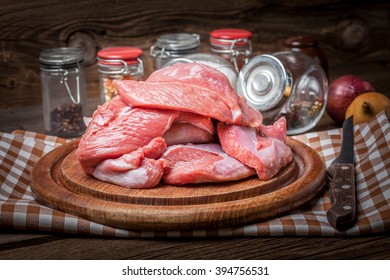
<point>342,214</point>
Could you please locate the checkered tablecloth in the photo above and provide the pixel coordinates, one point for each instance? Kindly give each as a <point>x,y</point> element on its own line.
<point>19,151</point>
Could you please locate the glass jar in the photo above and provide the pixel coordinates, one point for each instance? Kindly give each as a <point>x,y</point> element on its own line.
<point>118,63</point>
<point>63,91</point>
<point>289,84</point>
<point>308,45</point>
<point>171,46</point>
<point>233,45</point>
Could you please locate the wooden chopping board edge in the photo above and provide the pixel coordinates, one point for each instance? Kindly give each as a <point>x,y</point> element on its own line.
<point>49,191</point>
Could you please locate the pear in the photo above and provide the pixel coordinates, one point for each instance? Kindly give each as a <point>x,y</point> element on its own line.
<point>365,106</point>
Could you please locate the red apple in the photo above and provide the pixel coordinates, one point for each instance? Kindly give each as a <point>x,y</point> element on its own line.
<point>342,92</point>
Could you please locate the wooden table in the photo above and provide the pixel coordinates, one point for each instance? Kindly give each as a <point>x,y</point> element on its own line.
<point>33,245</point>
<point>23,245</point>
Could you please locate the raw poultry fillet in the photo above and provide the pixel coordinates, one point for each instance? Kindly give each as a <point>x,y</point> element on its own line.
<point>267,155</point>
<point>202,163</point>
<point>117,129</point>
<point>185,124</point>
<point>190,87</point>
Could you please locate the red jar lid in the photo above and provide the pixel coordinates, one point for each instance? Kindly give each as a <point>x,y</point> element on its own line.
<point>230,34</point>
<point>128,54</point>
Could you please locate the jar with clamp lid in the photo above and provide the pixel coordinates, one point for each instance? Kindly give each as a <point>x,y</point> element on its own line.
<point>118,63</point>
<point>232,44</point>
<point>171,46</point>
<point>63,91</point>
<point>289,84</point>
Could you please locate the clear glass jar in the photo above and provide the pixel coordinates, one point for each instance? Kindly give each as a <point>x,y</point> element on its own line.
<point>309,46</point>
<point>172,46</point>
<point>289,84</point>
<point>63,91</point>
<point>233,45</point>
<point>118,63</point>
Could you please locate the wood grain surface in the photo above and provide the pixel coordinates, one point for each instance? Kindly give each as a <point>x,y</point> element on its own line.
<point>75,179</point>
<point>18,245</point>
<point>28,27</point>
<point>349,32</point>
<point>176,208</point>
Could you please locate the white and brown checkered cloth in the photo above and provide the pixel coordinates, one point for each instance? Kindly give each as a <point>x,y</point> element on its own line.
<point>19,151</point>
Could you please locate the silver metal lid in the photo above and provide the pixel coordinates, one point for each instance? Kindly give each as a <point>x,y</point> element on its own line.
<point>178,41</point>
<point>262,81</point>
<point>61,56</point>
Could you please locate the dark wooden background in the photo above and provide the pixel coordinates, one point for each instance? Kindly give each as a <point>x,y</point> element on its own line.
<point>354,34</point>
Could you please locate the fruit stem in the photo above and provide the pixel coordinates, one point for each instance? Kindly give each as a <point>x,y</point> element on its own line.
<point>367,108</point>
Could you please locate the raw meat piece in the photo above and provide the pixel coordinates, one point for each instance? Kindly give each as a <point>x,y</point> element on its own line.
<point>117,129</point>
<point>190,87</point>
<point>126,140</point>
<point>203,122</point>
<point>201,163</point>
<point>175,96</point>
<point>146,175</point>
<point>266,155</point>
<point>250,117</point>
<point>277,130</point>
<point>138,169</point>
<point>182,133</point>
<point>202,76</point>
<point>155,148</point>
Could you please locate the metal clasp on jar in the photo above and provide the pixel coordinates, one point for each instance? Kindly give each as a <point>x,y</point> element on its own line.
<point>121,69</point>
<point>171,46</point>
<point>241,46</point>
<point>64,73</point>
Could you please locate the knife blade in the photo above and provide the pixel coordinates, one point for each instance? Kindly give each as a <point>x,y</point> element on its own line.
<point>341,173</point>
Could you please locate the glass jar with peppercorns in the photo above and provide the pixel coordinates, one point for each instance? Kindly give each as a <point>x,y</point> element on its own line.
<point>63,91</point>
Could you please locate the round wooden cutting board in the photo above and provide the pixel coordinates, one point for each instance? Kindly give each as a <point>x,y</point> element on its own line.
<point>59,182</point>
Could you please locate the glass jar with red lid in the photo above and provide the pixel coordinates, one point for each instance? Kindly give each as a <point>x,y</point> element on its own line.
<point>118,63</point>
<point>232,44</point>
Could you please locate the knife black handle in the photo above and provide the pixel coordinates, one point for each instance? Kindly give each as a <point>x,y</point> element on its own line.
<point>342,213</point>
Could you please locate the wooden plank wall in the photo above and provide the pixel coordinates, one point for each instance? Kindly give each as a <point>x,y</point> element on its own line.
<point>353,34</point>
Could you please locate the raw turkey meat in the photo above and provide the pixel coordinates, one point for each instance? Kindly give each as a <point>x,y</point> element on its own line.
<point>117,129</point>
<point>182,133</point>
<point>184,124</point>
<point>141,168</point>
<point>190,87</point>
<point>202,163</point>
<point>177,96</point>
<point>267,155</point>
<point>203,122</point>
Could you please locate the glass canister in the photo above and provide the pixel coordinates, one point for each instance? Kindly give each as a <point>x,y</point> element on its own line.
<point>232,44</point>
<point>118,63</point>
<point>308,45</point>
<point>175,45</point>
<point>289,84</point>
<point>63,91</point>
